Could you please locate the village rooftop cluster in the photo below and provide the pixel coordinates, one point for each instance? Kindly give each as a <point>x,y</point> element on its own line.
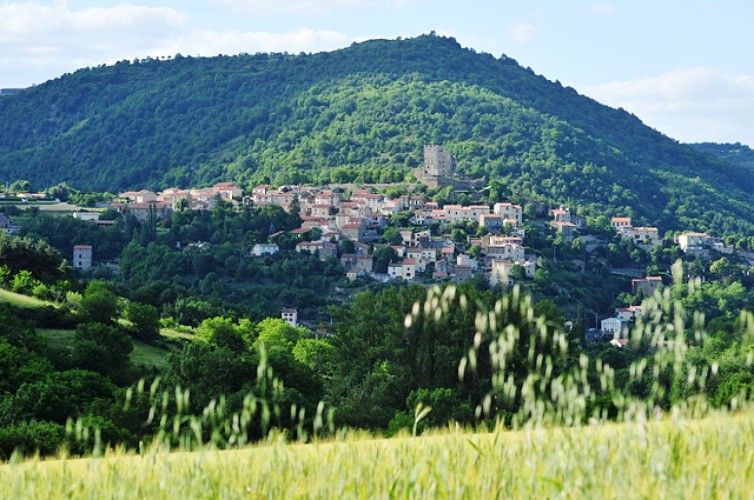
<point>349,227</point>
<point>330,218</point>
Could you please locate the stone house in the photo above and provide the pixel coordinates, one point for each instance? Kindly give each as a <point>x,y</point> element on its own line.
<point>82,257</point>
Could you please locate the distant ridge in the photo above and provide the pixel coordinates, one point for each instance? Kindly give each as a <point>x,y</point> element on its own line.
<point>737,153</point>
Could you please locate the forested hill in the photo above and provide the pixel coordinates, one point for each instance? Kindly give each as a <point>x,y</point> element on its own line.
<point>362,113</point>
<point>737,153</point>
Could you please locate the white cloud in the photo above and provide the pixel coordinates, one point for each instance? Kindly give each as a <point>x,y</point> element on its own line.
<point>40,42</point>
<point>523,32</point>
<point>689,104</point>
<point>308,6</point>
<point>23,22</point>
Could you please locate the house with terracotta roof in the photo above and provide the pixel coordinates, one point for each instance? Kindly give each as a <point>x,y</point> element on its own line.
<point>463,259</point>
<point>629,313</point>
<point>493,222</point>
<point>510,212</point>
<point>142,211</point>
<point>409,269</point>
<point>300,232</point>
<point>260,189</point>
<point>402,271</point>
<point>372,201</point>
<point>641,236</point>
<point>507,251</point>
<point>143,196</point>
<point>563,215</point>
<point>395,270</point>
<point>567,229</point>
<point>448,251</point>
<point>620,223</point>
<point>323,210</point>
<point>174,197</point>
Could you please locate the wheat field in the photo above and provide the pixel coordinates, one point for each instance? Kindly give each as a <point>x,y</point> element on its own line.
<point>709,458</point>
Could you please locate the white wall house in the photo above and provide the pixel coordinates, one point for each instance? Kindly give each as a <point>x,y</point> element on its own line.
<point>261,249</point>
<point>614,326</point>
<point>82,257</point>
<point>290,316</point>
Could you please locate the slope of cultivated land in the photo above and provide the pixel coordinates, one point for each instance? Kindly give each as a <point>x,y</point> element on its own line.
<point>710,458</point>
<point>23,301</point>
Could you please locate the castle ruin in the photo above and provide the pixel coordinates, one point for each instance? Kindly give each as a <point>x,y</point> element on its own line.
<point>438,169</point>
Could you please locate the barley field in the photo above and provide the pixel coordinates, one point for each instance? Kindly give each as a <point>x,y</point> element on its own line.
<point>708,458</point>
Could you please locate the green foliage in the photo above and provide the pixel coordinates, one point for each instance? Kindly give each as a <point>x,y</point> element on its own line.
<point>317,354</point>
<point>274,334</point>
<point>192,284</point>
<point>36,257</point>
<point>63,233</point>
<point>209,373</point>
<point>99,304</point>
<point>145,320</point>
<point>23,282</point>
<point>103,349</point>
<point>379,360</point>
<point>31,437</point>
<point>737,153</point>
<point>222,332</point>
<point>446,405</point>
<point>382,258</point>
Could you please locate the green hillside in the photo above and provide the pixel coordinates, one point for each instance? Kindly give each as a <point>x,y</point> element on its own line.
<point>362,114</point>
<point>737,153</point>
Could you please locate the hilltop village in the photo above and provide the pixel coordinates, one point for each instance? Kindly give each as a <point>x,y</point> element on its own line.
<point>407,238</point>
<point>374,234</point>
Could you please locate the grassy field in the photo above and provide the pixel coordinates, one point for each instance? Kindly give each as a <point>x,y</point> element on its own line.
<point>59,208</point>
<point>143,353</point>
<point>710,458</point>
<point>25,301</point>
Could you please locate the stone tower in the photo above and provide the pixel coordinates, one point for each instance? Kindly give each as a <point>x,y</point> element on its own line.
<point>439,166</point>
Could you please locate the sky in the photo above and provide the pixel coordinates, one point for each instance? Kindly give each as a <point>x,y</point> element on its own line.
<point>682,67</point>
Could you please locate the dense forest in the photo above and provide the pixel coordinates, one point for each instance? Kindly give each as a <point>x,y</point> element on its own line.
<point>737,153</point>
<point>362,114</point>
